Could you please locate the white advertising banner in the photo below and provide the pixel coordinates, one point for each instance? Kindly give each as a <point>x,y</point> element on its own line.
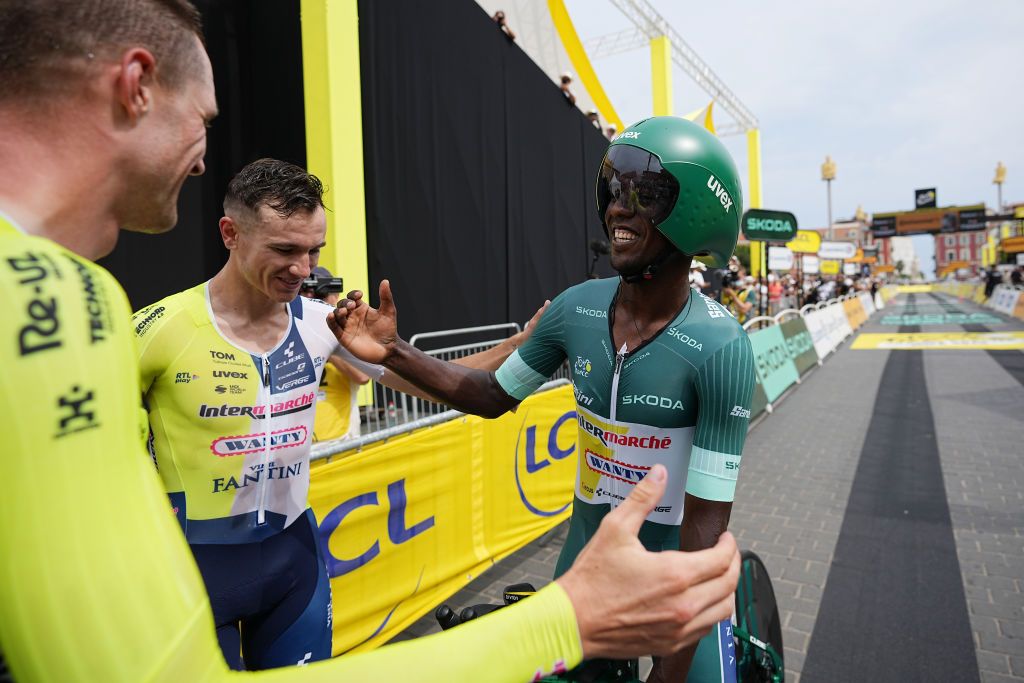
<point>811,265</point>
<point>818,325</point>
<point>839,324</point>
<point>837,250</point>
<point>867,303</point>
<point>1004,299</point>
<point>779,258</point>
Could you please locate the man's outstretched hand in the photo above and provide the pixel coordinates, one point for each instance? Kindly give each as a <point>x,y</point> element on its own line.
<point>630,602</point>
<point>369,333</point>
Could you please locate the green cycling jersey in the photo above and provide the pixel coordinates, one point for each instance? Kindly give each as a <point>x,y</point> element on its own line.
<point>681,399</point>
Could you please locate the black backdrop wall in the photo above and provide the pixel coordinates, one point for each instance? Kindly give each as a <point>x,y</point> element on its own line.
<point>256,50</point>
<point>479,174</point>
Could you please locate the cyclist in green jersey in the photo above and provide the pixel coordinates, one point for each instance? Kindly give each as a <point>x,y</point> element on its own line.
<point>661,373</point>
<point>103,110</point>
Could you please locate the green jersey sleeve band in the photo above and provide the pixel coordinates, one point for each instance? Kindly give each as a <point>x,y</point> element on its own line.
<point>712,476</point>
<point>517,378</point>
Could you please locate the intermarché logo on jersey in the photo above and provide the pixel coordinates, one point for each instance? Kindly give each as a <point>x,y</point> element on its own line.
<point>254,443</point>
<point>609,437</point>
<point>259,412</point>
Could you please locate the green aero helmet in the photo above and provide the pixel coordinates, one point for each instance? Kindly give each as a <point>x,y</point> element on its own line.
<point>682,177</point>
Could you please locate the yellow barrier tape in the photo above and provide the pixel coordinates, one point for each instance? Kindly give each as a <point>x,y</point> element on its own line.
<point>406,523</point>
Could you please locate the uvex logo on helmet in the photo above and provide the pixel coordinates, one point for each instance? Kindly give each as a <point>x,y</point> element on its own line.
<point>715,186</point>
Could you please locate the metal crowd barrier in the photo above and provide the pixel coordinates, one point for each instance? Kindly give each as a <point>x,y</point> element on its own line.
<point>389,409</point>
<point>325,450</point>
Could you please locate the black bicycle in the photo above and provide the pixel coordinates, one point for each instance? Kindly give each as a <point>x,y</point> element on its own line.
<point>757,630</point>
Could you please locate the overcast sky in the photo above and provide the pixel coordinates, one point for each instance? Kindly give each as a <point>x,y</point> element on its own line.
<point>902,94</point>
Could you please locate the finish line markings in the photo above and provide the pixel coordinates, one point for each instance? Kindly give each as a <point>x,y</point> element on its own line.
<point>940,340</point>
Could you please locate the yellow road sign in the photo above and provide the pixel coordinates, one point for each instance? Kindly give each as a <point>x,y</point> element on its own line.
<point>829,267</point>
<point>940,340</point>
<point>805,242</point>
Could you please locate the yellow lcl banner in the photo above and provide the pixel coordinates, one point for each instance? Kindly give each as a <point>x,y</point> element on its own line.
<point>406,523</point>
<point>805,242</point>
<point>855,313</point>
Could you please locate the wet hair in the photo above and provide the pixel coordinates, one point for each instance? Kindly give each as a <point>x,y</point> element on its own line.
<point>44,44</point>
<point>278,185</point>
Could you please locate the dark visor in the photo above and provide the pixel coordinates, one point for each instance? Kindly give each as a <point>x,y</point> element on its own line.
<point>636,180</point>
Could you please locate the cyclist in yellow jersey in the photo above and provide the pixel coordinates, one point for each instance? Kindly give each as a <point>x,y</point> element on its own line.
<point>229,376</point>
<point>337,397</point>
<point>100,128</point>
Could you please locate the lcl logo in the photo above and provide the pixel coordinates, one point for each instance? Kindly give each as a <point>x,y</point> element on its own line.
<point>398,530</point>
<point>532,463</point>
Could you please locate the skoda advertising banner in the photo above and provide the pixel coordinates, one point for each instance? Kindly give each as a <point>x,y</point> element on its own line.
<point>775,368</point>
<point>769,226</point>
<point>799,344</point>
<point>759,402</point>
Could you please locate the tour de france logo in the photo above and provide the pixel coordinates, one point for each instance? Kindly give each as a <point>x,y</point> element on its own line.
<point>583,367</point>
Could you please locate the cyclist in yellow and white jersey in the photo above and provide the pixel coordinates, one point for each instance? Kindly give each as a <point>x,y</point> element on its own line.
<point>229,375</point>
<point>337,397</point>
<point>100,129</point>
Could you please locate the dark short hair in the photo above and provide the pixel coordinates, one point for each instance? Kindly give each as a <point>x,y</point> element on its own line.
<point>43,43</point>
<point>279,185</point>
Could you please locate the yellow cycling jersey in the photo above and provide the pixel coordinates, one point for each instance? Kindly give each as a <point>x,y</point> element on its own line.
<point>337,406</point>
<point>231,429</point>
<point>96,580</point>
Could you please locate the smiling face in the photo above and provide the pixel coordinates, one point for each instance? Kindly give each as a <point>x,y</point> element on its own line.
<point>635,242</point>
<point>274,253</point>
<point>167,147</point>
<point>635,193</point>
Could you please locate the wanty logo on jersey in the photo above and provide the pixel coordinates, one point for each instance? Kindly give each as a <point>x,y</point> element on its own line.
<point>616,469</point>
<point>253,443</point>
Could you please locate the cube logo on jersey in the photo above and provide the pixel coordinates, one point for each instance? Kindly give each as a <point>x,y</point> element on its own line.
<point>617,455</point>
<point>291,366</point>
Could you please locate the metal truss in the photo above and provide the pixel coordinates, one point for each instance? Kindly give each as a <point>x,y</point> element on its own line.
<point>649,24</point>
<point>615,43</point>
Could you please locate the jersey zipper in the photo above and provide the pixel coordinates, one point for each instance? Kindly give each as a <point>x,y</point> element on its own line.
<point>619,357</point>
<point>261,510</point>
